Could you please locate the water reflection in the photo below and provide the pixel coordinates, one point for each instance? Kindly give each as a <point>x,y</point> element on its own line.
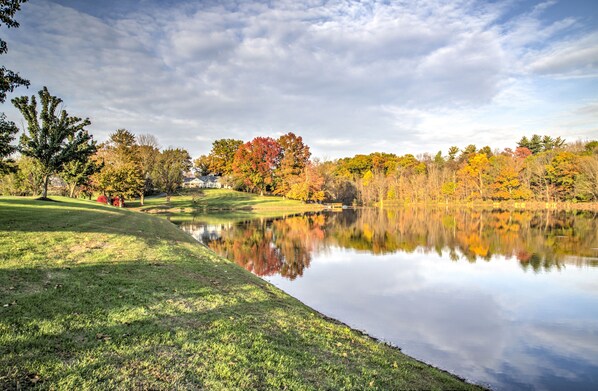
<point>538,240</point>
<point>506,299</point>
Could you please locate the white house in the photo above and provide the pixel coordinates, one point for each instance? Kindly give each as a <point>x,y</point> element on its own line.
<point>210,182</point>
<point>191,183</point>
<point>203,182</point>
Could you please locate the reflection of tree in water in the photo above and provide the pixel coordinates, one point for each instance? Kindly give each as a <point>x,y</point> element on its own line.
<point>268,247</point>
<point>538,240</point>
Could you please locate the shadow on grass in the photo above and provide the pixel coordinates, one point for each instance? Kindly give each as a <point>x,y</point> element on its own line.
<point>28,215</point>
<point>93,323</point>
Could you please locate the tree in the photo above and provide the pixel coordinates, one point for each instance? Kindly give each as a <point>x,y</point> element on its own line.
<point>222,155</point>
<point>147,153</point>
<point>535,170</point>
<point>9,80</point>
<point>504,179</point>
<point>586,185</point>
<point>308,186</point>
<point>78,173</point>
<point>202,165</point>
<point>121,180</point>
<point>121,173</point>
<point>51,138</point>
<point>8,130</point>
<point>25,178</point>
<point>123,146</point>
<point>294,158</point>
<point>562,172</point>
<point>471,174</point>
<point>539,143</point>
<point>255,163</point>
<point>169,170</point>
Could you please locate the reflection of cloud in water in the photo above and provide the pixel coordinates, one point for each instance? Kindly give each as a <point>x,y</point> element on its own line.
<point>472,325</point>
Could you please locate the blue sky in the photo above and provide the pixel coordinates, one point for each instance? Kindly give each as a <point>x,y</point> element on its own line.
<point>350,77</point>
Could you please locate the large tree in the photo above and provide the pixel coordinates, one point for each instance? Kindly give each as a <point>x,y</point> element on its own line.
<point>222,155</point>
<point>121,174</point>
<point>52,137</point>
<point>256,162</point>
<point>169,170</point>
<point>294,158</point>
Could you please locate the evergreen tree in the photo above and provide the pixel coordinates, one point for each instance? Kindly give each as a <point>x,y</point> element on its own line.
<point>52,138</point>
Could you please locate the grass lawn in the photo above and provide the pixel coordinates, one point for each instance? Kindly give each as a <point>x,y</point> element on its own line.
<point>95,297</point>
<point>221,199</point>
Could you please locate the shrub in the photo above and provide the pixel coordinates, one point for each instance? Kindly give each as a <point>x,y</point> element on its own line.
<point>117,201</point>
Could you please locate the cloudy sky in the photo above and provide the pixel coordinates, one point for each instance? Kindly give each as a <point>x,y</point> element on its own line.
<point>350,77</point>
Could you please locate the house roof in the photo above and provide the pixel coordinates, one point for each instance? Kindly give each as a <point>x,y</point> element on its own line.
<point>209,178</point>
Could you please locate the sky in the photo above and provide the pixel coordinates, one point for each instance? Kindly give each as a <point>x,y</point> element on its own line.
<point>349,77</point>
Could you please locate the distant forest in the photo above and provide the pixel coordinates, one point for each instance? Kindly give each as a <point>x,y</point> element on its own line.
<point>539,168</point>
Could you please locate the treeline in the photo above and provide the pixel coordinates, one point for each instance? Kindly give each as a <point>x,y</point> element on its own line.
<point>540,168</point>
<point>54,144</point>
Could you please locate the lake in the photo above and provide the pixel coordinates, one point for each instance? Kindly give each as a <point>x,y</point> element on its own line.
<point>506,299</point>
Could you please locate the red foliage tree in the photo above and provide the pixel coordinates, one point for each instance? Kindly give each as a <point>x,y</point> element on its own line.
<point>256,162</point>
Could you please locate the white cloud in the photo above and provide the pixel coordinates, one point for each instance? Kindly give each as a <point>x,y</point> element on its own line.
<point>571,58</point>
<point>389,76</point>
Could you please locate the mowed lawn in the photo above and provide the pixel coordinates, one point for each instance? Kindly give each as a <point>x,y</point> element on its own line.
<point>222,199</point>
<point>96,297</point>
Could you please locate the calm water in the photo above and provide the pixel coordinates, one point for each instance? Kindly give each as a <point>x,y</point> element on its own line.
<point>504,299</point>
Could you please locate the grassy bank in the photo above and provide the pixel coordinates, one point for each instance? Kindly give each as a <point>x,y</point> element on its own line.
<point>206,200</point>
<point>95,297</point>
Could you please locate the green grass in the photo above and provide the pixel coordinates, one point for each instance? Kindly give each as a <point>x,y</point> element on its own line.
<point>221,200</point>
<point>95,297</point>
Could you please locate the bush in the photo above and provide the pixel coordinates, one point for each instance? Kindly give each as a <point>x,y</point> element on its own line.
<point>102,199</point>
<point>117,201</point>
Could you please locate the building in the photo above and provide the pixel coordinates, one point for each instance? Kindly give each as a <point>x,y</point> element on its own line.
<point>203,182</point>
<point>192,183</point>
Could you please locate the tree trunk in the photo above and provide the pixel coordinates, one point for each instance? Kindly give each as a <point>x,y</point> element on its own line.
<point>167,198</point>
<point>142,198</point>
<point>72,189</point>
<point>45,191</point>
